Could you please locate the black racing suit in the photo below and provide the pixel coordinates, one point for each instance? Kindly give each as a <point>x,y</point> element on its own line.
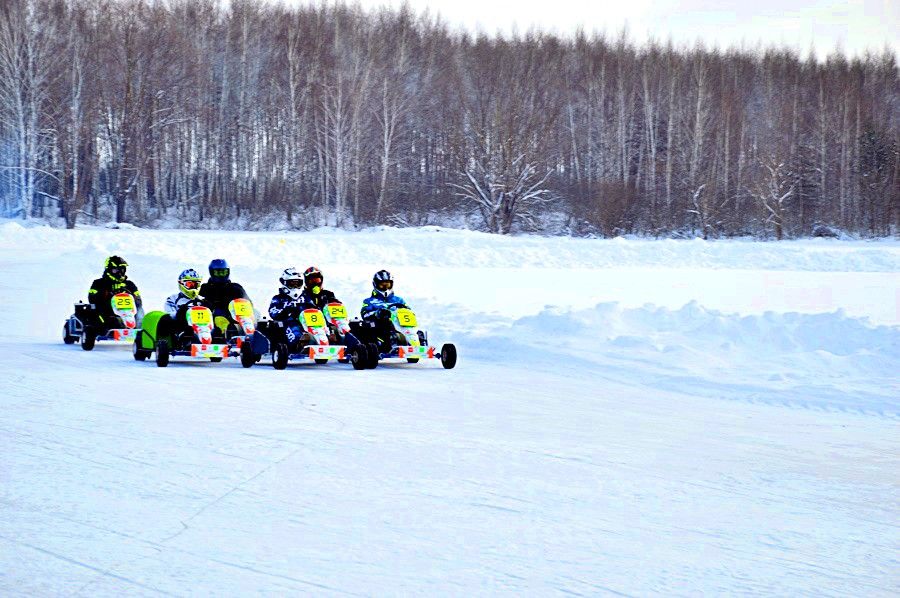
<point>217,294</point>
<point>320,299</point>
<point>102,291</point>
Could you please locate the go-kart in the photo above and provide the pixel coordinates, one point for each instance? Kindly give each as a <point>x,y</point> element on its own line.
<point>86,327</point>
<point>200,338</point>
<point>326,337</point>
<point>397,337</point>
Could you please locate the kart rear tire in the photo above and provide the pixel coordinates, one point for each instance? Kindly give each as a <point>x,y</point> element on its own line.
<point>162,354</point>
<point>68,338</point>
<point>448,356</point>
<point>248,358</point>
<point>374,353</point>
<point>88,338</point>
<point>136,350</point>
<point>280,356</point>
<point>359,357</point>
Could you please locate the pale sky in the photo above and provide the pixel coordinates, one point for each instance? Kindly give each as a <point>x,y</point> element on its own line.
<point>853,25</point>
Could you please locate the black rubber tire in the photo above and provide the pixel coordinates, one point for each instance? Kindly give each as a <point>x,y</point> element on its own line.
<point>373,352</point>
<point>88,338</point>
<point>359,357</point>
<point>68,338</point>
<point>162,354</point>
<point>138,353</point>
<point>248,358</point>
<point>448,356</point>
<point>280,356</point>
<point>215,359</point>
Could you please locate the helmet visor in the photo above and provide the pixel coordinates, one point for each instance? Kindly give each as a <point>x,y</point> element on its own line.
<point>314,280</point>
<point>293,283</point>
<point>116,269</point>
<point>219,272</point>
<point>190,284</point>
<point>384,285</point>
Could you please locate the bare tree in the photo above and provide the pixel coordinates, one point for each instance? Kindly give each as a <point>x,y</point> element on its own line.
<point>25,52</point>
<point>773,191</point>
<point>505,197</point>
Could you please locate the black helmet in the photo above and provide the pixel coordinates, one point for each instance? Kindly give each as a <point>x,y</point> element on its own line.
<point>219,270</point>
<point>383,283</point>
<point>115,267</point>
<point>313,279</point>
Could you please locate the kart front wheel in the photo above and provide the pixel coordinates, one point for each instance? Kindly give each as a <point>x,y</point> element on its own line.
<point>280,356</point>
<point>448,356</point>
<point>248,358</point>
<point>162,354</point>
<point>88,338</point>
<point>374,354</point>
<point>136,350</point>
<point>68,338</point>
<point>359,357</point>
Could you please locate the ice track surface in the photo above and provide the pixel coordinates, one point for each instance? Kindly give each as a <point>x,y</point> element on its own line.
<point>627,418</point>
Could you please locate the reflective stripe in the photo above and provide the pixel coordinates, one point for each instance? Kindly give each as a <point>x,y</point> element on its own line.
<point>92,291</point>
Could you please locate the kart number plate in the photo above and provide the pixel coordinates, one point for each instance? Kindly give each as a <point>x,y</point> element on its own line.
<point>123,302</point>
<point>241,308</point>
<point>200,316</point>
<point>337,311</point>
<point>313,318</point>
<point>406,317</point>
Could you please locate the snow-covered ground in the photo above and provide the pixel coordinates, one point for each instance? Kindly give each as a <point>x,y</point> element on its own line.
<point>627,417</point>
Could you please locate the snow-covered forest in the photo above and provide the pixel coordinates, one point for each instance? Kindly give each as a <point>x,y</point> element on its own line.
<point>184,113</point>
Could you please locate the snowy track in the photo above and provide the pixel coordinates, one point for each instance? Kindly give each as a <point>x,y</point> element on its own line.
<point>657,450</point>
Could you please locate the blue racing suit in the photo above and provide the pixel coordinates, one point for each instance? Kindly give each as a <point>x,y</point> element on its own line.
<point>377,306</point>
<point>284,308</point>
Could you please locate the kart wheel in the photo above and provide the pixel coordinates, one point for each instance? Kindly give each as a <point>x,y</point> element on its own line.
<point>162,354</point>
<point>321,361</point>
<point>374,354</point>
<point>88,338</point>
<point>68,338</point>
<point>136,350</point>
<point>280,356</point>
<point>359,357</point>
<point>448,356</point>
<point>215,359</point>
<point>247,356</point>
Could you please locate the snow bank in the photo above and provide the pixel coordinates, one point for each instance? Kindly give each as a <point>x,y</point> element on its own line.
<point>826,361</point>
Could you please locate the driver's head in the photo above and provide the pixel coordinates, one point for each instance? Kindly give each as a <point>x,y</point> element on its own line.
<point>383,283</point>
<point>189,283</point>
<point>291,283</point>
<point>313,279</point>
<point>115,267</point>
<point>219,270</point>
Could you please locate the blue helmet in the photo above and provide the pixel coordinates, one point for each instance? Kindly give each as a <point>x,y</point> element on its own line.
<point>219,270</point>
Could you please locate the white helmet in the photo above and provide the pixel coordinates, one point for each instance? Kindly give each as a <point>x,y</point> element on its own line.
<point>291,283</point>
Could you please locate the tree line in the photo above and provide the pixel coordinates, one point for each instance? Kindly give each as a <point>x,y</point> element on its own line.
<point>185,112</point>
